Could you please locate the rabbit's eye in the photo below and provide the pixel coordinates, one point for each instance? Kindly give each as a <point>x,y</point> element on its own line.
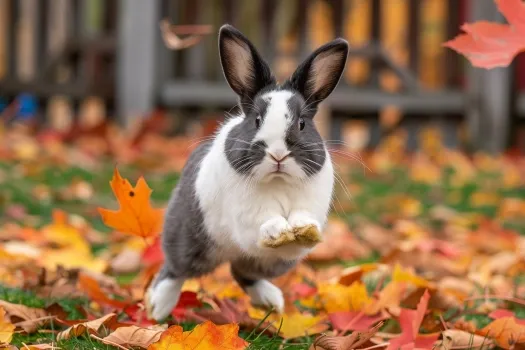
<point>258,122</point>
<point>301,123</point>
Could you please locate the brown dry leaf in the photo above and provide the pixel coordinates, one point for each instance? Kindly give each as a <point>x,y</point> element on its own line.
<point>174,42</point>
<point>40,347</point>
<point>349,342</point>
<point>133,336</point>
<point>458,339</point>
<point>91,327</point>
<point>28,318</point>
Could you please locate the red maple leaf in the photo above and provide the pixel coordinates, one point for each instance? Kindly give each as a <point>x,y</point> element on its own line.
<point>489,45</point>
<point>410,321</point>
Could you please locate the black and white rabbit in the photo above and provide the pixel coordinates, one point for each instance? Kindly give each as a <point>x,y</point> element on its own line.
<point>267,170</point>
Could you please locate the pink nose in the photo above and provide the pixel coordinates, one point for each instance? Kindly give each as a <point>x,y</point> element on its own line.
<point>279,156</point>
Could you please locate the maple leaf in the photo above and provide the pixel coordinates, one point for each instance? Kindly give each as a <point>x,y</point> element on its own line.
<point>28,318</point>
<point>354,321</point>
<point>135,216</point>
<point>505,331</point>
<point>410,321</point>
<point>6,328</point>
<point>133,336</point>
<point>490,45</point>
<point>337,297</point>
<point>205,336</point>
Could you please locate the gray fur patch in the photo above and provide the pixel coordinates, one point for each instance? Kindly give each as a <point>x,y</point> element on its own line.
<point>247,271</point>
<point>188,250</point>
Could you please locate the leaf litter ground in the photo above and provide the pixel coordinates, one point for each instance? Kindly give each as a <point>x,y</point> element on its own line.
<point>422,250</point>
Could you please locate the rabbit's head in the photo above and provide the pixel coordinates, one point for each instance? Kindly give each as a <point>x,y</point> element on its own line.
<point>277,137</point>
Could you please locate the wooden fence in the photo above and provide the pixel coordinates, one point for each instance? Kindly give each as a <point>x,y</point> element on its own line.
<point>113,49</point>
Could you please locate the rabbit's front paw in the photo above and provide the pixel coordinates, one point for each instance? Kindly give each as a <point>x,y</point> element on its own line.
<point>302,219</point>
<point>161,299</point>
<point>275,232</point>
<point>266,294</point>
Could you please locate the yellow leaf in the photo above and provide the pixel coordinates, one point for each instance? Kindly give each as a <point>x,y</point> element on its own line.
<point>6,328</point>
<point>399,275</point>
<point>298,325</point>
<point>206,336</point>
<point>135,216</point>
<point>338,297</point>
<point>63,235</point>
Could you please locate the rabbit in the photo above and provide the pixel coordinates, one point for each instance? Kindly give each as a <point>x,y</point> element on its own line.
<point>265,171</point>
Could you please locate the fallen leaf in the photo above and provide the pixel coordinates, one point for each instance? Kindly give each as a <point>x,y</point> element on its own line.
<point>28,318</point>
<point>354,321</point>
<point>133,336</point>
<point>91,327</point>
<point>205,336</point>
<point>490,45</point>
<point>349,342</point>
<point>410,321</point>
<point>135,216</point>
<point>300,325</point>
<point>6,328</point>
<point>400,275</point>
<point>389,297</point>
<point>93,290</point>
<point>458,339</point>
<point>337,297</point>
<point>229,313</point>
<point>505,331</point>
<point>153,253</point>
<point>500,313</point>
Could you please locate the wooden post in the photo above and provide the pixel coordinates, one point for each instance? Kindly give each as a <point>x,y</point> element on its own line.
<point>489,94</point>
<point>137,48</point>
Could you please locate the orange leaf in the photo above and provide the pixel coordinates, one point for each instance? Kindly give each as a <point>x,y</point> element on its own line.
<point>135,216</point>
<point>205,336</point>
<point>489,45</point>
<point>93,290</point>
<point>505,331</point>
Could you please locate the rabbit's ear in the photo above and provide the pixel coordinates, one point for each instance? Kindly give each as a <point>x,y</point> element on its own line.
<point>319,74</point>
<point>244,69</point>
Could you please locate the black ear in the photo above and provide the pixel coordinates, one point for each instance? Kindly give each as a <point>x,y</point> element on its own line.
<point>319,74</point>
<point>243,67</point>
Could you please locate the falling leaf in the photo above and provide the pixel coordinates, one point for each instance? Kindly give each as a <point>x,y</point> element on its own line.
<point>28,318</point>
<point>410,321</point>
<point>490,45</point>
<point>505,331</point>
<point>299,325</point>
<point>135,216</point>
<point>205,336</point>
<point>91,327</point>
<point>174,42</point>
<point>337,297</point>
<point>6,328</point>
<point>133,336</point>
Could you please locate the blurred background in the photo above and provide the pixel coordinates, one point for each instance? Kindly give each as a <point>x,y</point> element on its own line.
<point>68,61</point>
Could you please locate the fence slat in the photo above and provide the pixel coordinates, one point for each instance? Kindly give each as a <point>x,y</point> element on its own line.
<point>136,57</point>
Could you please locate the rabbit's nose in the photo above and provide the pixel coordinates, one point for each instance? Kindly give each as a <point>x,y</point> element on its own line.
<point>279,155</point>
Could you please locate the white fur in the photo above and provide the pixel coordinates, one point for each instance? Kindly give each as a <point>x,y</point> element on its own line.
<point>164,297</point>
<point>240,210</point>
<point>264,293</point>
